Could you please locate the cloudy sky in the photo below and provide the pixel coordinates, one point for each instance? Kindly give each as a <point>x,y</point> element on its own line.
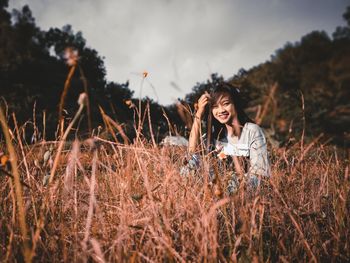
<point>181,42</point>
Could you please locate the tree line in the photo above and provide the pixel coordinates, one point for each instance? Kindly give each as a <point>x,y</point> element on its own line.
<point>304,85</point>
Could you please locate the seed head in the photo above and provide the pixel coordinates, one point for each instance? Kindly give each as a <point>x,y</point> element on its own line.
<point>82,99</point>
<point>71,55</point>
<point>130,104</point>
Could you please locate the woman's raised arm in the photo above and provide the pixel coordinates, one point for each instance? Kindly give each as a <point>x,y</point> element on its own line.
<point>195,131</point>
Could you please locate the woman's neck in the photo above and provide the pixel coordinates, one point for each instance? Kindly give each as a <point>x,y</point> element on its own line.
<point>234,128</point>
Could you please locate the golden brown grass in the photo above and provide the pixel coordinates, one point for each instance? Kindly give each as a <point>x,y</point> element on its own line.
<point>98,200</point>
<point>115,202</point>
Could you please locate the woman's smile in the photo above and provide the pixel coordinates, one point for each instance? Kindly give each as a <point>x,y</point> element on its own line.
<point>223,115</point>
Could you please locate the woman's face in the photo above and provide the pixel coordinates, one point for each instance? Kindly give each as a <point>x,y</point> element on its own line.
<point>223,109</point>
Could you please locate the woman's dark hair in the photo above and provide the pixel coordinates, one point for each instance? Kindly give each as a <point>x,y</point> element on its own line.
<point>218,131</point>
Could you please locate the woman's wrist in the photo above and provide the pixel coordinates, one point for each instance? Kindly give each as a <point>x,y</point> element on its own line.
<point>198,116</point>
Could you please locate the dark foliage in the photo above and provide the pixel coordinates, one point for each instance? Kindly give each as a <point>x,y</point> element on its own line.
<point>33,72</point>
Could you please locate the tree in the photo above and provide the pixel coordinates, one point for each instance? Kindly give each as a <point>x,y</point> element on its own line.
<point>343,32</point>
<point>30,73</point>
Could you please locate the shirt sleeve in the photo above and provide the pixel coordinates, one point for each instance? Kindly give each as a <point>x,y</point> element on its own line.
<point>259,162</point>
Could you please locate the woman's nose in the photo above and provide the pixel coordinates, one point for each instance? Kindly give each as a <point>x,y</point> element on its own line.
<point>221,108</point>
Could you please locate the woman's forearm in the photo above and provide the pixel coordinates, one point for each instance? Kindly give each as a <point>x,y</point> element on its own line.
<point>196,127</point>
<point>194,135</point>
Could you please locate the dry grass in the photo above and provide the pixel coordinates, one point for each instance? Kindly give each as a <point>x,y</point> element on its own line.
<point>114,202</point>
<point>97,200</point>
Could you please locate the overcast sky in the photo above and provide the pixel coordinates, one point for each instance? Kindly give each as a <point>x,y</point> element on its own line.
<point>184,41</point>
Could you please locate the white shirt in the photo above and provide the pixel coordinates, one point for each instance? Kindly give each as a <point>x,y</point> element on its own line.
<point>252,144</point>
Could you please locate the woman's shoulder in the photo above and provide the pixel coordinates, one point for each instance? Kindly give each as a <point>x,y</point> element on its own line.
<point>252,127</point>
<point>254,132</point>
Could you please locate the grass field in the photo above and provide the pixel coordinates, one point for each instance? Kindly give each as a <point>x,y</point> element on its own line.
<point>109,202</point>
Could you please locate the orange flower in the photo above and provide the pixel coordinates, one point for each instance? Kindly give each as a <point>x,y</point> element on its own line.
<point>222,155</point>
<point>145,74</point>
<point>3,159</point>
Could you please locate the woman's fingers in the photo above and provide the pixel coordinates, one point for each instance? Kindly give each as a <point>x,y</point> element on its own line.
<point>205,94</point>
<point>202,102</point>
<point>204,98</point>
<point>219,147</point>
<point>201,98</point>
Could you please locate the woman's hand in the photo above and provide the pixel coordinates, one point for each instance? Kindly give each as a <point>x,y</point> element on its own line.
<point>202,102</point>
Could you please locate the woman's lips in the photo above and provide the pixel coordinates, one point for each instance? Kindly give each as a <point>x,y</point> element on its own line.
<point>223,115</point>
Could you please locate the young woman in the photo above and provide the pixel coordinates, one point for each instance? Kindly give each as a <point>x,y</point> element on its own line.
<point>233,133</point>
